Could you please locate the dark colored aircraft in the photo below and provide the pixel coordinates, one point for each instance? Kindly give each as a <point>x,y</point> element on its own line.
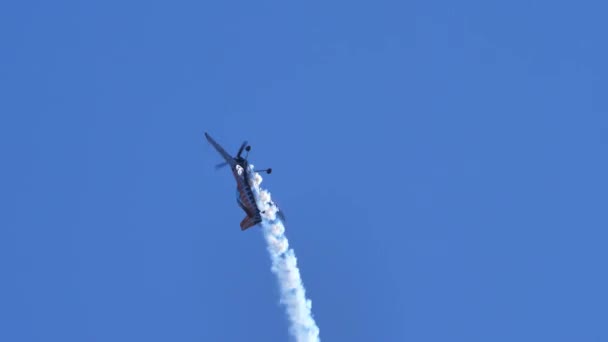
<point>241,172</point>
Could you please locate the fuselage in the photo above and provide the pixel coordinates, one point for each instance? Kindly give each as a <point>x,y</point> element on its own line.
<point>244,193</point>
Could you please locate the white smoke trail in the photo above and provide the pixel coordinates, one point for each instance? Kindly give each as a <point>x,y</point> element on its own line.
<point>284,266</point>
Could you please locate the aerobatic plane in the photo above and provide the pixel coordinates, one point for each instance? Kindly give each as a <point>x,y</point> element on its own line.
<point>241,173</point>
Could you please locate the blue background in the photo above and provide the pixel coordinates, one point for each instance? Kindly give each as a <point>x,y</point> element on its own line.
<point>442,166</point>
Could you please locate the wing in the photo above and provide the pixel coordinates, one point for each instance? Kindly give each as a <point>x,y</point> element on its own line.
<point>219,148</point>
<point>249,222</point>
<point>280,212</point>
<point>281,215</point>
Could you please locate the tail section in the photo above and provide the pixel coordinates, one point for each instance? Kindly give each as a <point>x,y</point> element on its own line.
<point>249,222</point>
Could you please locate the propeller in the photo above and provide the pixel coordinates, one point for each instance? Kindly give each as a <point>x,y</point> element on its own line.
<point>220,165</point>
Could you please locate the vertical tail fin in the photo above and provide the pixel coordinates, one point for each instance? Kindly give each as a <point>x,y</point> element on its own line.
<point>249,222</point>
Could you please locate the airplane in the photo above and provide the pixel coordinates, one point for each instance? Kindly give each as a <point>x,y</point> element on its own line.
<point>241,173</point>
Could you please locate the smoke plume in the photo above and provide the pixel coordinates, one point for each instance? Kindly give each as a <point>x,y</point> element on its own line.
<point>285,267</point>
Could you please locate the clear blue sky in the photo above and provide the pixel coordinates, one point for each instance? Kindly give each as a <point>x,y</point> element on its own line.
<point>443,167</point>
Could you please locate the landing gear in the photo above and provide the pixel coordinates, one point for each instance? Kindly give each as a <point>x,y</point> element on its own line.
<point>269,170</point>
<point>247,149</point>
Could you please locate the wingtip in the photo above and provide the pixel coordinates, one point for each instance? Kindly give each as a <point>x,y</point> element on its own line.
<point>281,216</point>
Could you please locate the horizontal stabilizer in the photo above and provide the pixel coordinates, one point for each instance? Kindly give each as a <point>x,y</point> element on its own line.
<point>249,222</point>
<point>281,215</point>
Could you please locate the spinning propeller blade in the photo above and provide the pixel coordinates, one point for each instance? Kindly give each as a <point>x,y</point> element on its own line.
<point>220,165</point>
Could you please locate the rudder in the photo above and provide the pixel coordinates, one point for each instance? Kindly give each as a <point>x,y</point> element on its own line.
<point>249,222</point>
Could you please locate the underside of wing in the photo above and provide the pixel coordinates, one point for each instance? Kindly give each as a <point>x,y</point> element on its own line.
<point>249,222</point>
